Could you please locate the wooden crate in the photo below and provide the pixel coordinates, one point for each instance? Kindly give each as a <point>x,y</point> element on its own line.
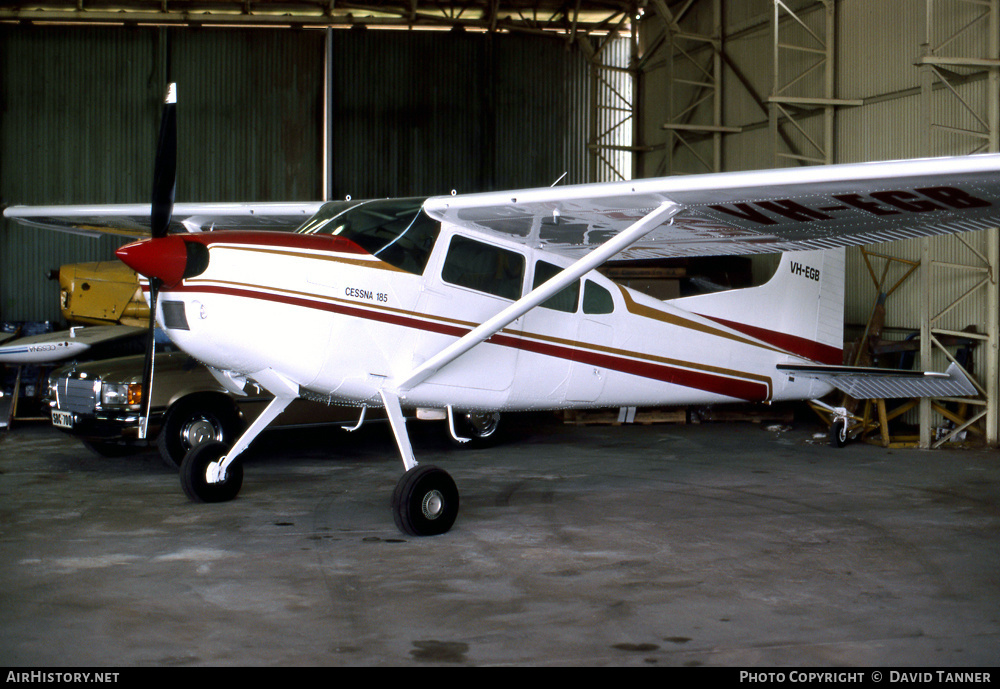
<point>626,415</point>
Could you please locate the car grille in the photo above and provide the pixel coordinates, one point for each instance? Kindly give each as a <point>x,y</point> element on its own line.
<point>75,395</point>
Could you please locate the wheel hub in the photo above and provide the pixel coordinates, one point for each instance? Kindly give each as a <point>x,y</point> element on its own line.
<point>484,423</point>
<point>432,505</point>
<point>199,431</point>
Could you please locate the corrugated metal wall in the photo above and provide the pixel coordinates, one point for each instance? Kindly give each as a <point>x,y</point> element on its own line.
<point>424,113</point>
<point>411,113</point>
<point>64,141</point>
<point>79,115</point>
<point>250,113</point>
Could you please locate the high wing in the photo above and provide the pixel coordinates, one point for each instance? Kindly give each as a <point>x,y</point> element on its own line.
<point>729,213</point>
<point>133,220</point>
<point>749,212</point>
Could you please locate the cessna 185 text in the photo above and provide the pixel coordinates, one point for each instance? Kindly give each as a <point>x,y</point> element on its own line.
<point>490,302</point>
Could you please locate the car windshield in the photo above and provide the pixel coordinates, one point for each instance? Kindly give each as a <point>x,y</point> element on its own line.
<point>395,230</point>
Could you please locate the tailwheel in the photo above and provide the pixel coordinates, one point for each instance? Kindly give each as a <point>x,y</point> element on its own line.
<point>200,476</point>
<point>838,432</point>
<point>425,502</point>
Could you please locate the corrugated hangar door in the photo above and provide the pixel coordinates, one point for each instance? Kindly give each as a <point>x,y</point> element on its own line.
<point>80,115</point>
<point>268,114</point>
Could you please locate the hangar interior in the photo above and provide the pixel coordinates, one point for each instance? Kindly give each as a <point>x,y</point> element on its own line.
<point>319,100</point>
<point>738,545</point>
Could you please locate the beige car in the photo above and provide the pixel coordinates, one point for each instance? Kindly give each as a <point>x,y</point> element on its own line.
<point>98,402</point>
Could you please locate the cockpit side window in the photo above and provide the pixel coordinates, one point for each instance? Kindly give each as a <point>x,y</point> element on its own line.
<point>484,267</point>
<point>565,300</point>
<point>395,230</point>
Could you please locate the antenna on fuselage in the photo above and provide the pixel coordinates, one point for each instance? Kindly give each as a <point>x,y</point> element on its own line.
<point>561,178</point>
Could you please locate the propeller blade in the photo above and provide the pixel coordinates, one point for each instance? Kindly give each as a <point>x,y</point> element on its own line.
<point>147,366</point>
<point>165,170</point>
<point>164,184</point>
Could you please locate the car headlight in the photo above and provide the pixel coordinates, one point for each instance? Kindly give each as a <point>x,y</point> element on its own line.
<point>121,394</point>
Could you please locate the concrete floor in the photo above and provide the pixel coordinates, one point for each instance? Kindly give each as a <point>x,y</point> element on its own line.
<point>713,544</point>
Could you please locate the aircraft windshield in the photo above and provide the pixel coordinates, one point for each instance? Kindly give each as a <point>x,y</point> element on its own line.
<point>395,230</point>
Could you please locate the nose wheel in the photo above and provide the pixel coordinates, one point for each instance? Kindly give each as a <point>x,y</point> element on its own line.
<point>202,479</point>
<point>425,502</point>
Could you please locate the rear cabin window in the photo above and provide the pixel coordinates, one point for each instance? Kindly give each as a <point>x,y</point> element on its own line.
<point>565,300</point>
<point>596,299</point>
<point>484,268</point>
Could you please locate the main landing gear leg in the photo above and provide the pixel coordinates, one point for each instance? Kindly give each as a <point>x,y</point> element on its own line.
<point>425,502</point>
<point>211,474</point>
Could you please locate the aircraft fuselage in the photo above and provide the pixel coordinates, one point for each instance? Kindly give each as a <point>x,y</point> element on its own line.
<point>341,323</point>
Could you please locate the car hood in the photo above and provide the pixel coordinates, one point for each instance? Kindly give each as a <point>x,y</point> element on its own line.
<point>126,369</point>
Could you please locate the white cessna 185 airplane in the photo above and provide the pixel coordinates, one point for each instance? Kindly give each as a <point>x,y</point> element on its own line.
<point>490,302</point>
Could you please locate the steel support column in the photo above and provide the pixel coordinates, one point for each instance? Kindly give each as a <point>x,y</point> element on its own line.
<point>803,53</point>
<point>952,80</point>
<point>694,86</point>
<point>612,60</point>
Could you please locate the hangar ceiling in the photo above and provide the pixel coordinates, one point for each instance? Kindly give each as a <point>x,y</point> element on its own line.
<point>562,16</point>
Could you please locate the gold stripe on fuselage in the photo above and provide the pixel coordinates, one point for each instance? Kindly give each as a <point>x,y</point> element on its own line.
<point>468,325</point>
<point>652,358</point>
<point>681,322</point>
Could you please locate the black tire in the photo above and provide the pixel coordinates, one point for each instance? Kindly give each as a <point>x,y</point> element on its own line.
<point>838,433</point>
<point>425,502</point>
<point>194,479</point>
<point>192,421</point>
<point>481,428</point>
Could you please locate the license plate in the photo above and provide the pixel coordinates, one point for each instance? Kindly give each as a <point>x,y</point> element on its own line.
<point>62,419</point>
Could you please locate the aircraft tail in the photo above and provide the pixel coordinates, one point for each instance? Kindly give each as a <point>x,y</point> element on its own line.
<point>800,309</point>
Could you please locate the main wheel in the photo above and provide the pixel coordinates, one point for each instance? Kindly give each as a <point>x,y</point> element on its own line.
<point>481,428</point>
<point>425,502</point>
<point>194,474</point>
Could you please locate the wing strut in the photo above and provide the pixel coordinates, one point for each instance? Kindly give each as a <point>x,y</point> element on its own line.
<point>617,244</point>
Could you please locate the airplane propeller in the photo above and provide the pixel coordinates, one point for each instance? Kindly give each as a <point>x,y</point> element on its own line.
<point>161,208</point>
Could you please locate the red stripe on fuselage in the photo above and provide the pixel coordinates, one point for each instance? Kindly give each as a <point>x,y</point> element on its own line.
<point>710,382</point>
<point>800,346</point>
